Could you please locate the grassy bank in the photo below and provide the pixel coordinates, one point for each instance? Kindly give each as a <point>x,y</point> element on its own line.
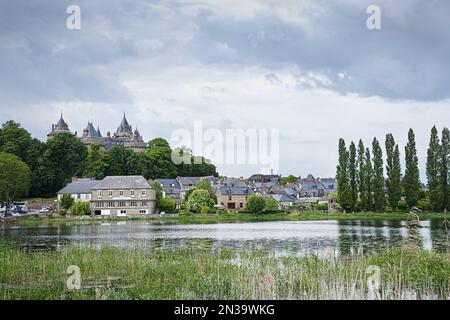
<point>113,273</point>
<point>233,217</point>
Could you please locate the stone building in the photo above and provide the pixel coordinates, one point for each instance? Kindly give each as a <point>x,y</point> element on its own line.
<point>122,196</point>
<point>233,198</point>
<point>124,135</point>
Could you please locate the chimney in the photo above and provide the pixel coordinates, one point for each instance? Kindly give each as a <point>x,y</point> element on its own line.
<point>74,178</point>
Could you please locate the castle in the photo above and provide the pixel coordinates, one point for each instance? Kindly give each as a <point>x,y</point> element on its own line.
<point>124,136</point>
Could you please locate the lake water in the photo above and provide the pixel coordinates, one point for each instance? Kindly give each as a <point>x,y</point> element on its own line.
<point>283,237</point>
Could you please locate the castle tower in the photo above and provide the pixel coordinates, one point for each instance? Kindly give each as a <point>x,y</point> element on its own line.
<point>60,127</point>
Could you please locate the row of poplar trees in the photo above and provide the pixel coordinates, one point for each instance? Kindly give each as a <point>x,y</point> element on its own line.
<point>361,184</point>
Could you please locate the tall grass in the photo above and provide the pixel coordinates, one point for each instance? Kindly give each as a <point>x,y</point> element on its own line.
<point>113,273</point>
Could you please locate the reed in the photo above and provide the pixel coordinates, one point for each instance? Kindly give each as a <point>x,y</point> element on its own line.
<point>117,273</point>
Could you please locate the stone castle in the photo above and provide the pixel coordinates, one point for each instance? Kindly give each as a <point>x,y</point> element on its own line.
<point>124,135</point>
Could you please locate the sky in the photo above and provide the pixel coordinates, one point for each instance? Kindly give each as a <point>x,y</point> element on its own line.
<point>312,70</point>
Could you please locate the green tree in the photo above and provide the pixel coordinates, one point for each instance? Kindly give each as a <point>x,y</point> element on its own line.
<point>15,178</point>
<point>344,195</point>
<point>117,161</point>
<point>139,163</point>
<point>411,181</point>
<point>66,201</point>
<point>167,205</point>
<point>352,172</point>
<point>15,140</point>
<point>362,176</point>
<point>378,177</point>
<point>433,171</point>
<point>289,179</point>
<point>96,165</point>
<point>393,172</point>
<point>64,157</point>
<point>80,208</point>
<point>445,165</point>
<point>197,200</point>
<point>255,204</point>
<point>271,204</point>
<point>158,191</point>
<point>369,182</point>
<point>205,184</point>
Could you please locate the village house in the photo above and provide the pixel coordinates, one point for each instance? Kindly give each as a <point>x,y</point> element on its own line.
<point>233,198</point>
<point>78,189</point>
<point>122,196</point>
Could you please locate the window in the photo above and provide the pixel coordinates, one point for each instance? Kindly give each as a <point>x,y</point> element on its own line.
<point>99,204</point>
<point>99,193</point>
<point>121,204</point>
<point>110,193</point>
<point>241,205</point>
<point>121,193</point>
<point>123,211</point>
<point>133,204</point>
<point>132,193</point>
<point>79,196</point>
<point>143,203</point>
<point>144,211</point>
<point>143,193</point>
<point>229,198</point>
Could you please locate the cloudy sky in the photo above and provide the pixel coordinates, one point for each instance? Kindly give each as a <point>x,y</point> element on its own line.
<point>311,69</point>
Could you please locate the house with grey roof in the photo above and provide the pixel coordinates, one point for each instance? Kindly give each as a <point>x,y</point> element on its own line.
<point>284,200</point>
<point>123,196</point>
<point>172,189</point>
<point>233,198</point>
<point>78,189</point>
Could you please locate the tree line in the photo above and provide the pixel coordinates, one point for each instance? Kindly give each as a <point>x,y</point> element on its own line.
<point>363,186</point>
<point>54,162</point>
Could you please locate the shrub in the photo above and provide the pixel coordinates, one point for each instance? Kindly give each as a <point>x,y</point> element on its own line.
<point>80,208</point>
<point>66,201</point>
<point>197,200</point>
<point>204,210</point>
<point>255,204</point>
<point>402,205</point>
<point>424,204</point>
<point>167,205</point>
<point>184,213</point>
<point>271,204</point>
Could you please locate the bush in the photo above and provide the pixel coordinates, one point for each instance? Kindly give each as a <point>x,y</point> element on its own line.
<point>66,201</point>
<point>424,204</point>
<point>184,213</point>
<point>204,210</point>
<point>167,205</point>
<point>80,208</point>
<point>197,200</point>
<point>255,204</point>
<point>402,205</point>
<point>271,204</point>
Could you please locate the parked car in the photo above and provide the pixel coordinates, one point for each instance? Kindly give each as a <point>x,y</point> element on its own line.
<point>45,209</point>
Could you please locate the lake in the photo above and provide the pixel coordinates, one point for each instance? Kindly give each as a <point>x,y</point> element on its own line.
<point>282,237</point>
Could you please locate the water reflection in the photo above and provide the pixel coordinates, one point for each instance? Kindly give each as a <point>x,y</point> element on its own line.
<point>284,237</point>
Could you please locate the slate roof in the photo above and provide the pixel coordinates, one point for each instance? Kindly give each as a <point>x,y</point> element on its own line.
<point>283,198</point>
<point>123,182</point>
<point>169,183</point>
<point>79,186</point>
<point>235,191</point>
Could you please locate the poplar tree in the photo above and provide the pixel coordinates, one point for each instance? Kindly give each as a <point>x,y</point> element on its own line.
<point>411,181</point>
<point>343,186</point>
<point>369,181</point>
<point>378,177</point>
<point>353,175</point>
<point>445,161</point>
<point>362,175</point>
<point>433,170</point>
<point>393,172</point>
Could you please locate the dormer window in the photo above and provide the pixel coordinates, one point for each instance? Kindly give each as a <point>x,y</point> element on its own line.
<point>110,193</point>
<point>99,193</point>
<point>121,193</point>
<point>132,193</point>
